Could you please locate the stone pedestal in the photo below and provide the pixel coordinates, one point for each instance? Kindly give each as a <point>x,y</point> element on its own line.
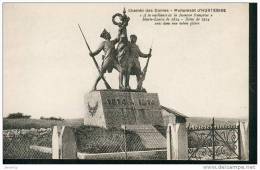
<point>110,108</point>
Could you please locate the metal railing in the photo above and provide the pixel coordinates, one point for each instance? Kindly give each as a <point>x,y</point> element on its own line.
<point>214,142</point>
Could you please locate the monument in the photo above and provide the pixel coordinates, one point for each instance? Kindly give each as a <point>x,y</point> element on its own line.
<point>109,107</point>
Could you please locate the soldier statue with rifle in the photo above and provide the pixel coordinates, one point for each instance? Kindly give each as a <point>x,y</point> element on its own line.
<point>134,67</point>
<point>101,73</point>
<point>109,60</point>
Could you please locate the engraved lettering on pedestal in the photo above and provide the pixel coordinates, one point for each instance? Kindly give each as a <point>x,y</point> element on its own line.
<point>145,102</point>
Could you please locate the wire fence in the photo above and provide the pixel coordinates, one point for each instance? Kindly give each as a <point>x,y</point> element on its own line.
<point>17,142</point>
<point>138,143</point>
<point>97,143</point>
<point>127,143</point>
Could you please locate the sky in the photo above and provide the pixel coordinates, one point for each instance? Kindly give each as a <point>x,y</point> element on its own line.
<point>200,70</point>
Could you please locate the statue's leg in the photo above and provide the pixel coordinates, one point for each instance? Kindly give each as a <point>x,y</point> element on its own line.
<point>127,81</point>
<point>102,72</point>
<point>97,80</point>
<point>129,67</point>
<point>121,79</point>
<point>139,82</point>
<point>122,74</point>
<point>127,75</point>
<point>119,68</point>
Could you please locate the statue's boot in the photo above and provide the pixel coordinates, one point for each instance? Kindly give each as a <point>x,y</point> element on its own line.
<point>139,87</point>
<point>143,89</point>
<point>127,88</point>
<point>121,87</point>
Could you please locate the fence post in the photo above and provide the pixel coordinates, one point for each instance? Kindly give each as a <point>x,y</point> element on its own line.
<point>244,138</point>
<point>56,142</point>
<point>213,138</point>
<point>177,142</point>
<point>169,142</point>
<point>63,143</point>
<point>125,141</point>
<point>68,143</point>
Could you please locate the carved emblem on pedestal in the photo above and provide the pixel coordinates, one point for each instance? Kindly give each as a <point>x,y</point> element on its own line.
<point>92,109</point>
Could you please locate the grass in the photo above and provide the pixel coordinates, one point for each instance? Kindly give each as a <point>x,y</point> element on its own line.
<point>39,123</point>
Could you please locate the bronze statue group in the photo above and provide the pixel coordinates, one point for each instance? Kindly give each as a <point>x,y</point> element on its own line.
<point>120,54</point>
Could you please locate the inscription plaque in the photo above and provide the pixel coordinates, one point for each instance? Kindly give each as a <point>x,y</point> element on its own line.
<point>116,108</point>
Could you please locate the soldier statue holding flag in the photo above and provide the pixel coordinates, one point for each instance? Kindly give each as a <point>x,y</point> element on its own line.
<point>122,48</point>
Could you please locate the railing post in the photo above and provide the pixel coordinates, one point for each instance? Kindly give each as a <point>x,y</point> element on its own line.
<point>213,139</point>
<point>125,142</point>
<point>169,142</point>
<point>239,142</point>
<point>243,141</point>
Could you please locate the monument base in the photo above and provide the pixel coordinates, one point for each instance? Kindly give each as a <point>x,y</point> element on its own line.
<point>108,108</point>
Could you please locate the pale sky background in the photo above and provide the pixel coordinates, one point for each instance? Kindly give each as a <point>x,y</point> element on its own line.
<point>199,71</point>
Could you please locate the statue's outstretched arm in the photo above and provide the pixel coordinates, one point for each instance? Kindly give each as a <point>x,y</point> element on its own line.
<point>100,48</point>
<point>141,54</point>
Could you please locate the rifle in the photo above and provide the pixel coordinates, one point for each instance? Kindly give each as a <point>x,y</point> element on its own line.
<point>95,62</point>
<point>145,68</point>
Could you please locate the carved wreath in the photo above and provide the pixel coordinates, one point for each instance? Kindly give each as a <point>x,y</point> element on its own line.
<point>124,19</point>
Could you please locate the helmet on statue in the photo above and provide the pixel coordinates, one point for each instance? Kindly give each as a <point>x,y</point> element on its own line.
<point>105,34</point>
